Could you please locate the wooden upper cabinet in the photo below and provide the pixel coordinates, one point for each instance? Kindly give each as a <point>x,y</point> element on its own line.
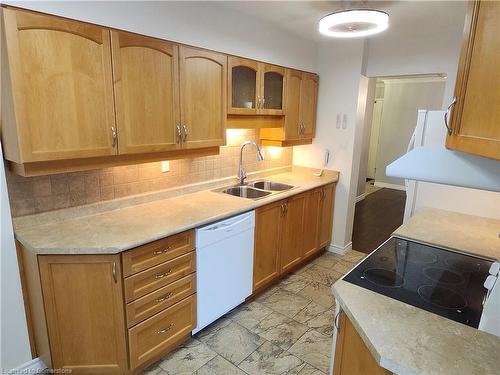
<point>146,93</point>
<point>308,105</point>
<point>300,105</point>
<point>255,88</point>
<point>273,83</point>
<point>203,97</point>
<point>475,118</point>
<point>83,304</point>
<point>292,118</point>
<point>58,86</point>
<point>244,82</point>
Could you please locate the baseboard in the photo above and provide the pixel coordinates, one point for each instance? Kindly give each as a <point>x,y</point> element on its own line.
<point>339,249</point>
<point>34,366</point>
<point>361,197</point>
<point>390,186</point>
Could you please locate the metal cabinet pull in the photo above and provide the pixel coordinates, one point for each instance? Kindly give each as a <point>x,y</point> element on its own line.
<point>179,134</point>
<point>161,251</point>
<point>166,329</point>
<point>337,321</point>
<point>163,274</point>
<point>114,135</point>
<point>282,207</point>
<point>263,102</point>
<point>113,272</point>
<point>185,133</point>
<point>164,298</point>
<point>447,115</point>
<point>286,208</point>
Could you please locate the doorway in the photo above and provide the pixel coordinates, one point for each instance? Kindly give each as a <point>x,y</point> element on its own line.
<point>395,102</point>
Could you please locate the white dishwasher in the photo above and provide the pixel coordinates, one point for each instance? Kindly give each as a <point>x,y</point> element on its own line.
<point>224,266</point>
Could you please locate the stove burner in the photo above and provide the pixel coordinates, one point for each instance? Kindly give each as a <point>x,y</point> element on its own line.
<point>463,265</point>
<point>441,275</point>
<point>420,256</point>
<point>442,297</point>
<point>384,277</point>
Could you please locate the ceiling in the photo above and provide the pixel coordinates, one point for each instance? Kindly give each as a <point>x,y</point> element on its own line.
<point>301,17</point>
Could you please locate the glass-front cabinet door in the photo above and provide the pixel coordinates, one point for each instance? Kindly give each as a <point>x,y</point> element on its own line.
<point>272,89</point>
<point>244,83</point>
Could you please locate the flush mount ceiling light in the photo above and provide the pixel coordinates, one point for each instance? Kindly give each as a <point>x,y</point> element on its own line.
<point>354,23</point>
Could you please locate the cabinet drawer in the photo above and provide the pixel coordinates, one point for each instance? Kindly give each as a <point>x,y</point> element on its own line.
<point>162,332</point>
<point>157,252</point>
<point>155,277</point>
<point>144,307</point>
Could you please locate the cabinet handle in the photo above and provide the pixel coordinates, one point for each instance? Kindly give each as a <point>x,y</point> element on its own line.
<point>163,274</point>
<point>337,321</point>
<point>114,135</point>
<point>161,251</point>
<point>282,209</point>
<point>447,115</point>
<point>263,102</point>
<point>185,132</point>
<point>179,134</point>
<point>322,195</point>
<point>166,329</point>
<point>113,272</point>
<point>286,209</point>
<point>164,298</point>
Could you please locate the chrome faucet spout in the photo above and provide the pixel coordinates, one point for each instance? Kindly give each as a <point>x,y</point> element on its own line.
<point>241,171</point>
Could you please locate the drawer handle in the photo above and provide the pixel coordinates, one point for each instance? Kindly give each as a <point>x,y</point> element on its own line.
<point>161,251</point>
<point>164,298</point>
<point>164,330</point>
<point>163,274</point>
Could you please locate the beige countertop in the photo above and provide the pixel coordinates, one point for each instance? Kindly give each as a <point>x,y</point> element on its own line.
<point>407,340</point>
<point>93,230</point>
<point>453,230</point>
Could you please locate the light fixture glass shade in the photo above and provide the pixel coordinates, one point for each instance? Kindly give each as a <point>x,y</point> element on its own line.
<point>354,23</point>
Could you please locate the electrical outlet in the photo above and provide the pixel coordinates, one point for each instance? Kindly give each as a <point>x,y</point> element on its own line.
<point>165,166</point>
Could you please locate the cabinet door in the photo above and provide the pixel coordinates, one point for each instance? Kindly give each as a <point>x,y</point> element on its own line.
<point>326,216</point>
<point>352,357</point>
<point>203,89</point>
<point>292,104</point>
<point>146,83</point>
<point>61,85</point>
<point>312,220</point>
<point>293,232</point>
<point>268,223</point>
<point>308,104</point>
<point>244,82</point>
<point>475,118</point>
<point>272,89</point>
<point>84,309</point>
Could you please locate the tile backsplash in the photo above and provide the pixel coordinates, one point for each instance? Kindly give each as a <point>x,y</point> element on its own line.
<point>29,195</point>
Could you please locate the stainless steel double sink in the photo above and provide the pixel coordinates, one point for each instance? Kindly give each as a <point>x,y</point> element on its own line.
<point>256,189</point>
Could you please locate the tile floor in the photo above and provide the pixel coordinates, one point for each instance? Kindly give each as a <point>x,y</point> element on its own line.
<point>285,330</point>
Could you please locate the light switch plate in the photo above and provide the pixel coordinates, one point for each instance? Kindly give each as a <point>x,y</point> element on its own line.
<point>339,119</point>
<point>344,121</point>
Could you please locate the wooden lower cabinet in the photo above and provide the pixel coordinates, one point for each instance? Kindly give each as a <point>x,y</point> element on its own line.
<point>290,231</point>
<point>327,199</point>
<point>352,357</point>
<point>268,223</point>
<point>84,308</point>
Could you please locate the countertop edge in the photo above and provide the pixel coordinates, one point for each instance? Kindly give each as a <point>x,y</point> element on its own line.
<point>251,205</point>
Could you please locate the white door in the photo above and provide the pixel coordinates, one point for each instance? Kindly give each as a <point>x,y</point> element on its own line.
<point>374,137</point>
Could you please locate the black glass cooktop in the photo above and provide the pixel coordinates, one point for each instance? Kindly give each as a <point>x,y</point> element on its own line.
<point>443,282</point>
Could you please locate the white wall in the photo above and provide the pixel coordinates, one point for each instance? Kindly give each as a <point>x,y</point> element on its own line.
<point>14,344</point>
<point>203,24</point>
<point>339,67</point>
<point>402,99</point>
<point>428,42</point>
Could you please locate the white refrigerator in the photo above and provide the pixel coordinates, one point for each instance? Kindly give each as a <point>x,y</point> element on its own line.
<point>428,158</point>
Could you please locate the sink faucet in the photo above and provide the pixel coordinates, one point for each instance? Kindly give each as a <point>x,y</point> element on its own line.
<point>241,171</point>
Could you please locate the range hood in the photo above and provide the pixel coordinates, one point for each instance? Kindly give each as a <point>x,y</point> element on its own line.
<point>428,160</point>
<point>440,165</point>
